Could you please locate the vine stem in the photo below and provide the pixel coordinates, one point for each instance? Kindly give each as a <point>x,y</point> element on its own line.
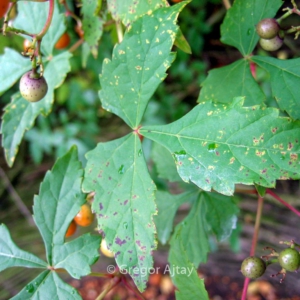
<point>40,35</point>
<point>140,296</point>
<point>254,240</point>
<point>227,4</point>
<point>274,195</point>
<point>114,282</point>
<point>119,31</point>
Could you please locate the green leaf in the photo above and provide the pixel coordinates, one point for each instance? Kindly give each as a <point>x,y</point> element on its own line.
<point>47,286</point>
<point>12,256</point>
<point>183,272</point>
<point>32,17</point>
<point>224,84</point>
<point>238,28</point>
<point>124,203</point>
<point>92,25</point>
<point>194,228</point>
<point>182,43</point>
<point>216,146</point>
<point>261,190</point>
<point>77,255</point>
<point>129,10</point>
<point>59,200</point>
<point>139,64</point>
<point>285,76</point>
<point>12,66</point>
<point>220,214</point>
<point>164,163</point>
<point>167,205</point>
<point>19,115</point>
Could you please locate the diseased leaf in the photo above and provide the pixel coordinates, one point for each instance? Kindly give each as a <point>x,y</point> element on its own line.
<point>224,84</point>
<point>59,200</point>
<point>129,10</point>
<point>47,286</point>
<point>32,16</point>
<point>167,205</point>
<point>92,25</point>
<point>12,256</point>
<point>124,203</point>
<point>183,272</point>
<point>77,255</point>
<point>139,64</point>
<point>220,214</point>
<point>284,77</point>
<point>216,146</point>
<point>164,163</point>
<point>20,114</point>
<point>238,28</point>
<point>12,66</point>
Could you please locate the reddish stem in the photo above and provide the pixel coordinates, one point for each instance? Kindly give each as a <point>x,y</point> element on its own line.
<point>274,195</point>
<point>125,282</point>
<point>254,240</point>
<point>40,35</point>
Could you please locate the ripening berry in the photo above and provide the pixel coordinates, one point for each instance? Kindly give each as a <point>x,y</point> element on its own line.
<point>85,217</point>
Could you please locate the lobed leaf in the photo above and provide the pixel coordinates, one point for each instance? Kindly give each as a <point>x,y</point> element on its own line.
<point>167,206</point>
<point>59,200</point>
<point>220,214</point>
<point>224,84</point>
<point>285,76</point>
<point>139,64</point>
<point>77,255</point>
<point>124,203</point>
<point>129,10</point>
<point>238,28</point>
<point>92,25</point>
<point>12,256</point>
<point>216,146</point>
<point>19,115</point>
<point>164,163</point>
<point>12,66</point>
<point>32,17</point>
<point>183,272</point>
<point>47,286</point>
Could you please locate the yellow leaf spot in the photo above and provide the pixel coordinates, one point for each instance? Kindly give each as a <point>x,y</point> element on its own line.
<point>147,41</point>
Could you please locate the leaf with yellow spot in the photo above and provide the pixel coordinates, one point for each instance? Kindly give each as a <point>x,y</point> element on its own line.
<point>124,203</point>
<point>231,144</point>
<point>139,64</point>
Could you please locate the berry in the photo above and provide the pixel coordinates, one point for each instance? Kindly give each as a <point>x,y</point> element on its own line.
<point>271,44</point>
<point>72,228</point>
<point>267,28</point>
<point>33,89</point>
<point>105,250</point>
<point>85,216</point>
<point>63,41</point>
<point>3,7</point>
<point>253,267</point>
<point>27,46</point>
<point>289,259</point>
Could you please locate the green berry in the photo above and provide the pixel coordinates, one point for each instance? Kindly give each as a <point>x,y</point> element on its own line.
<point>271,44</point>
<point>289,259</point>
<point>253,267</point>
<point>33,89</point>
<point>267,28</point>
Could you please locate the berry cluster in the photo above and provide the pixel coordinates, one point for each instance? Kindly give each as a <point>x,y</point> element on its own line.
<point>269,32</point>
<point>289,260</point>
<point>84,218</point>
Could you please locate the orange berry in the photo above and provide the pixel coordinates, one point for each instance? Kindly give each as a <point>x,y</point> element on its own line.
<point>63,41</point>
<point>85,216</point>
<point>72,228</point>
<point>3,7</point>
